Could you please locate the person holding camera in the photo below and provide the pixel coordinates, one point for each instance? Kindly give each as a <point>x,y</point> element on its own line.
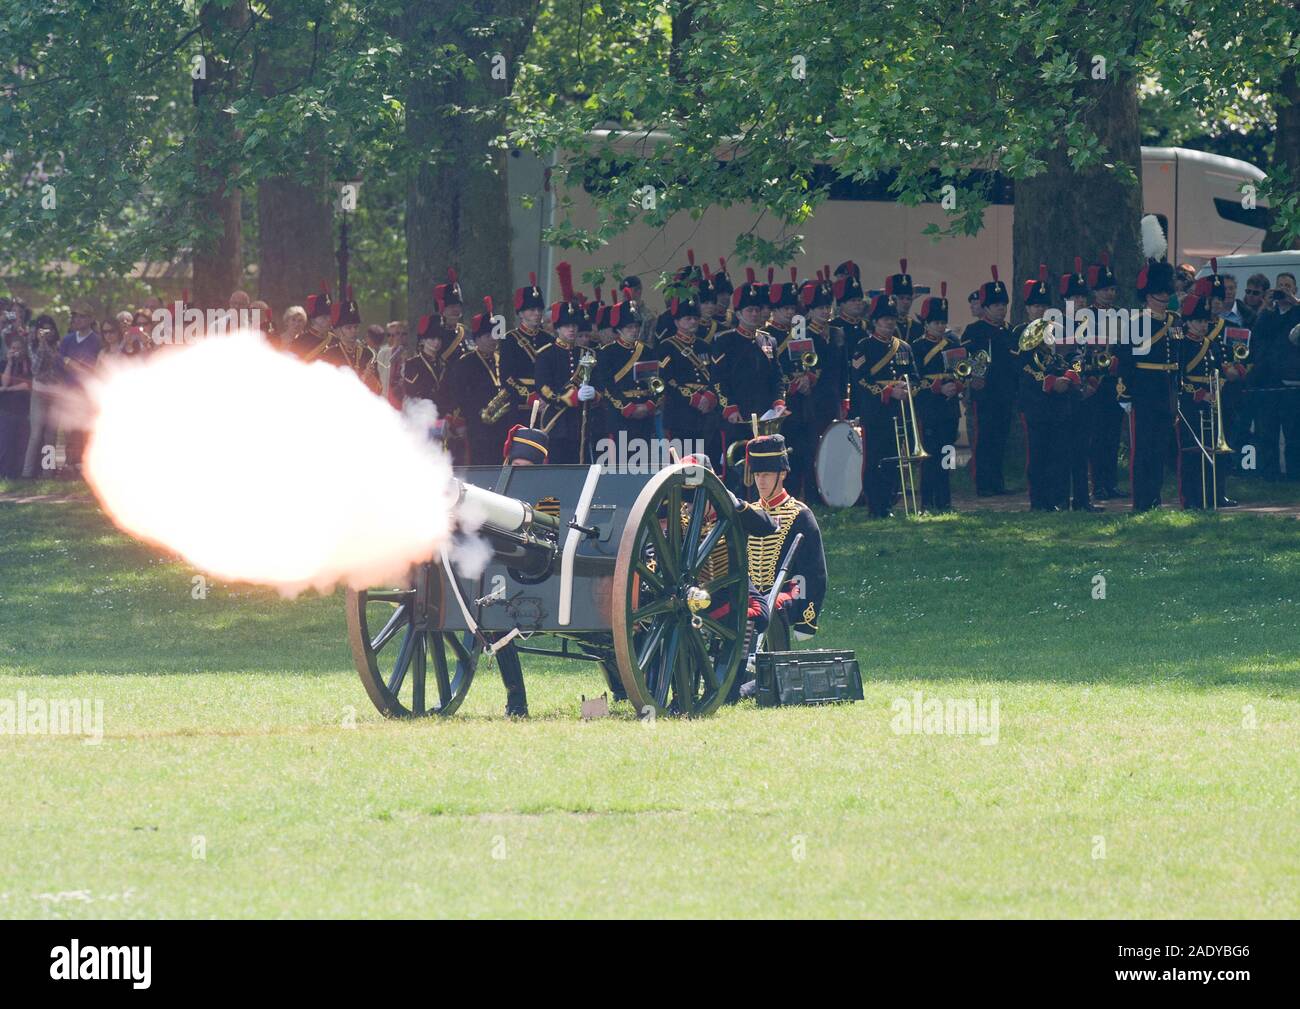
<point>1275,341</point>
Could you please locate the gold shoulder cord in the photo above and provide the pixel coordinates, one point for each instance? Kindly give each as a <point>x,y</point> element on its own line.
<point>765,551</point>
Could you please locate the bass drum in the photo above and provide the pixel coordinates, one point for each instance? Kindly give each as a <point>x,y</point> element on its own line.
<point>839,464</point>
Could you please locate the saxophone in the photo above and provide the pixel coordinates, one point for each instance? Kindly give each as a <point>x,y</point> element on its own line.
<point>498,406</point>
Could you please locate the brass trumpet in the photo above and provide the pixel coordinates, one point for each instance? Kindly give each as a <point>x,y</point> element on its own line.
<point>1240,351</point>
<point>809,360</point>
<point>655,384</point>
<point>1104,359</point>
<point>496,408</point>
<point>963,369</point>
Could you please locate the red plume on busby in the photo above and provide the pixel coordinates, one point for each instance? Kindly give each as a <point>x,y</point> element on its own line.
<point>346,312</point>
<point>448,293</point>
<point>565,272</point>
<point>900,283</point>
<point>1036,292</point>
<point>1074,285</point>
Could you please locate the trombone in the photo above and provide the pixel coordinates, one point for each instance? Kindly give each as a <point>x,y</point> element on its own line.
<point>1210,442</point>
<point>907,443</point>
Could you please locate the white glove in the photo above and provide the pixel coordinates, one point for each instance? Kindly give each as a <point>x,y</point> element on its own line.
<point>586,393</point>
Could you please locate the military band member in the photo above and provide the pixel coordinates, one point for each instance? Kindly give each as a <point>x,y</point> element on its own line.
<point>993,397</point>
<point>1104,415</point>
<point>712,312</point>
<point>1150,381</point>
<point>519,349</point>
<point>1235,369</point>
<point>423,375</point>
<point>624,376</point>
<point>689,276</point>
<point>742,365</point>
<point>692,405</point>
<point>480,411</point>
<point>850,307</point>
<point>810,369</point>
<point>882,370</point>
<point>559,379</point>
<point>1201,361</point>
<point>1050,388</point>
<point>799,599</point>
<point>723,288</point>
<point>348,351</point>
<point>313,341</point>
<point>938,402</point>
<point>899,287</point>
<point>1078,404</point>
<point>451,309</point>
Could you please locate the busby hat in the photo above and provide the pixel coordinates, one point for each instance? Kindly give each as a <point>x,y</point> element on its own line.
<point>936,309</point>
<point>530,296</point>
<point>448,293</point>
<point>722,281</point>
<point>481,324</point>
<point>1100,274</point>
<point>817,294</point>
<point>784,295</point>
<point>1157,276</point>
<point>345,312</point>
<point>1195,306</point>
<point>526,444</point>
<point>690,271</point>
<point>750,293</point>
<point>706,290</point>
<point>318,305</point>
<point>1213,285</point>
<point>1075,285</point>
<point>626,313</point>
<point>680,308</point>
<point>882,307</point>
<point>1037,292</point>
<point>429,328</point>
<point>848,282</point>
<point>899,284</point>
<point>594,311</point>
<point>993,292</point>
<point>765,454</point>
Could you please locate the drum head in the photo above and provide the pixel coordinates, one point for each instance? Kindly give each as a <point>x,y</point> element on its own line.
<point>839,465</point>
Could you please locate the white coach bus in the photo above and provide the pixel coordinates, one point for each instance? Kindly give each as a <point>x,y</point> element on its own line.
<point>1198,197</point>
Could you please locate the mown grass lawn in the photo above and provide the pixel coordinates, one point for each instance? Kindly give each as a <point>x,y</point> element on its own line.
<point>1147,760</point>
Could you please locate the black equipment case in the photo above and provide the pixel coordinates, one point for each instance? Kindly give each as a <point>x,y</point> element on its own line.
<point>815,676</point>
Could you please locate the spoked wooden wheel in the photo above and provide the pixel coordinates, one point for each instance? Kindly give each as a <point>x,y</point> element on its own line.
<point>408,669</point>
<point>680,595</point>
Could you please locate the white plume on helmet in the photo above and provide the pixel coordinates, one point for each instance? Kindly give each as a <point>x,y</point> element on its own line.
<point>1154,244</point>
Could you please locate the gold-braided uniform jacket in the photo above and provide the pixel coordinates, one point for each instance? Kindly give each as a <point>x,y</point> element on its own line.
<point>806,579</point>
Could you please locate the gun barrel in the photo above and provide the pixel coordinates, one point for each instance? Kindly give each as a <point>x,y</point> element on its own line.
<point>522,537</point>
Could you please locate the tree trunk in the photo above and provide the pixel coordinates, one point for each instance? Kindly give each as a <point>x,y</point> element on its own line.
<point>1062,213</point>
<point>295,217</point>
<point>217,256</point>
<point>1286,145</point>
<point>457,203</point>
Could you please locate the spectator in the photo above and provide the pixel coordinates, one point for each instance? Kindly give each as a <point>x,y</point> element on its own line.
<point>45,389</point>
<point>111,338</point>
<point>295,321</point>
<point>1277,377</point>
<point>15,402</point>
<point>78,354</point>
<point>1253,300</point>
<point>1231,307</point>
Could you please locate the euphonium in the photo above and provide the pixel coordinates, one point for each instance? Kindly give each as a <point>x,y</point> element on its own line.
<point>496,408</point>
<point>1034,334</point>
